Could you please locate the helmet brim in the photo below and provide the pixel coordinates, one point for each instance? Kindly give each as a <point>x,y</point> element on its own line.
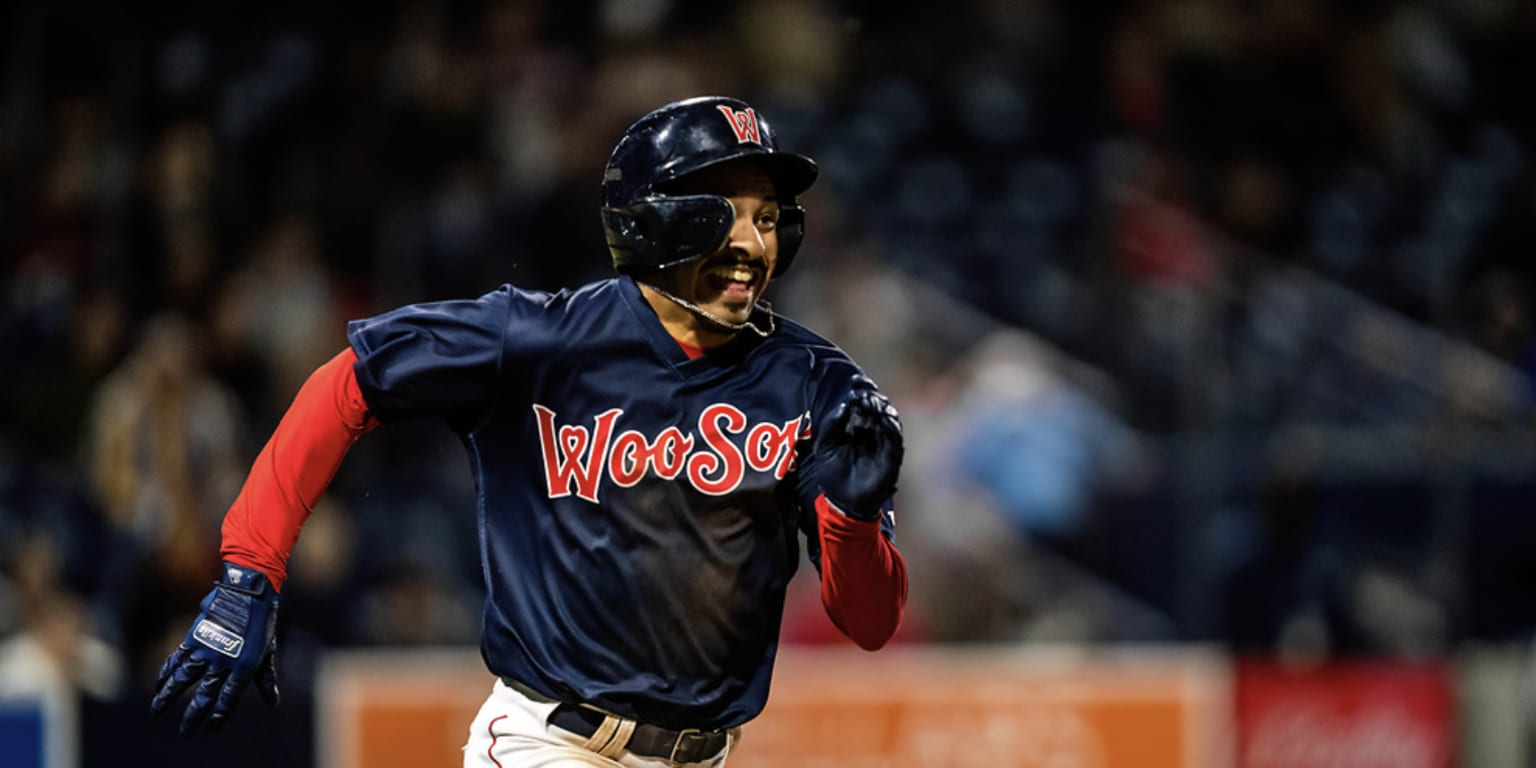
<point>790,173</point>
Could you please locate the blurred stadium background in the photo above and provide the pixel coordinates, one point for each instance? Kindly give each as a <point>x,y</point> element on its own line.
<point>1210,322</point>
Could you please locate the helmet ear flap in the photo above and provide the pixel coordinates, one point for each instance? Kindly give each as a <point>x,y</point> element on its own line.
<point>659,231</point>
<point>791,230</point>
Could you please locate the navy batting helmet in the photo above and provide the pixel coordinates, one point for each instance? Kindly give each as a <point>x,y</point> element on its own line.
<point>648,229</point>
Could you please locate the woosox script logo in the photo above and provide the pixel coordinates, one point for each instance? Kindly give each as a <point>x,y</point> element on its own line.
<point>576,457</point>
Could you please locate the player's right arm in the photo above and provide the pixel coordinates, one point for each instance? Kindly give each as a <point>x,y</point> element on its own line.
<point>233,640</point>
<point>295,467</point>
<point>438,359</point>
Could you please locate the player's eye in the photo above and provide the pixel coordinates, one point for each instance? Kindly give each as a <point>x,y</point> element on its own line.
<point>768,221</point>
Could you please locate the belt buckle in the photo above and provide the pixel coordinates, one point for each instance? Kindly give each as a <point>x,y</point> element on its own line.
<point>695,734</point>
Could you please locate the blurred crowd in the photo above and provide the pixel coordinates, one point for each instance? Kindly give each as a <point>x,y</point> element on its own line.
<point>1209,321</point>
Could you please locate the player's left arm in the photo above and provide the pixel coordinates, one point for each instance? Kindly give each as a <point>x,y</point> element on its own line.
<point>856,458</point>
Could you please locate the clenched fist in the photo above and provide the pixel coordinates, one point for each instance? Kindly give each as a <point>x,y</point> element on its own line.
<point>860,452</point>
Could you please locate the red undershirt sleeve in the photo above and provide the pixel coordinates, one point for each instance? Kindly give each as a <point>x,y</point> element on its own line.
<point>291,473</point>
<point>863,577</point>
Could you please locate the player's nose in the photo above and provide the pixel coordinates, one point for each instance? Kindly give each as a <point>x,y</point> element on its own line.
<point>747,241</point>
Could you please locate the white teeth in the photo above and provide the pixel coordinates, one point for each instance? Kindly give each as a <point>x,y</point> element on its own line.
<point>733,272</point>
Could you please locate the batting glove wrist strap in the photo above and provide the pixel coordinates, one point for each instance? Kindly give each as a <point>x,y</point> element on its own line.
<point>247,581</point>
<point>868,515</point>
<point>232,642</point>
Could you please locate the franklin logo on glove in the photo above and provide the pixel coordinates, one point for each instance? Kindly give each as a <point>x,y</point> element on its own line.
<point>218,638</point>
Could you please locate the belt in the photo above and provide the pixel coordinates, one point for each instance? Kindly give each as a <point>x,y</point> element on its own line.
<point>689,745</point>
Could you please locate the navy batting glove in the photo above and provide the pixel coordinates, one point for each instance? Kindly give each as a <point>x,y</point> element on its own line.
<point>233,641</point>
<point>861,451</point>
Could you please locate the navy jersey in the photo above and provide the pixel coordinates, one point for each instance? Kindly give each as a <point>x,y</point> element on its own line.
<point>640,512</point>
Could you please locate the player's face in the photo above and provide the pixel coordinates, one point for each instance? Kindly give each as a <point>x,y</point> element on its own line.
<point>731,281</point>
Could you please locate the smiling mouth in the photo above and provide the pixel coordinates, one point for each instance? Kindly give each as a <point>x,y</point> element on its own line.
<point>734,279</point>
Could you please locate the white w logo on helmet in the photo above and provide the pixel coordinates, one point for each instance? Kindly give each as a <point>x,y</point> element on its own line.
<point>744,124</point>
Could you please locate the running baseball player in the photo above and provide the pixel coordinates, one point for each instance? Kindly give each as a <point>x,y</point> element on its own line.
<point>648,449</point>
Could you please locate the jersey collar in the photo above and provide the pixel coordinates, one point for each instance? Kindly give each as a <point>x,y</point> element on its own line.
<point>666,347</point>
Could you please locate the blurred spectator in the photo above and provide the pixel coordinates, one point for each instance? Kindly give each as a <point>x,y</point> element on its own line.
<point>1036,441</point>
<point>165,463</point>
<point>44,409</point>
<point>172,230</point>
<point>56,648</point>
<point>271,306</point>
<point>1010,489</point>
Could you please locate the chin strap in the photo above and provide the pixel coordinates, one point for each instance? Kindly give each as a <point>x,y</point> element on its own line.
<point>718,321</point>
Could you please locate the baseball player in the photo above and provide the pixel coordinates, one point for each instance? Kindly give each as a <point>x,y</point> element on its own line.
<point>648,450</point>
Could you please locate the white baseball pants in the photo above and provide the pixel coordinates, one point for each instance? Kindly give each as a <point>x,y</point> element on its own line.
<point>512,731</point>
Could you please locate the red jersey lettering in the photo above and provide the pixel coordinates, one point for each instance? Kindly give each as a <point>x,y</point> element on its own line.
<point>576,457</point>
<point>770,447</point>
<point>670,452</point>
<point>630,458</point>
<point>725,457</point>
<point>562,457</point>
